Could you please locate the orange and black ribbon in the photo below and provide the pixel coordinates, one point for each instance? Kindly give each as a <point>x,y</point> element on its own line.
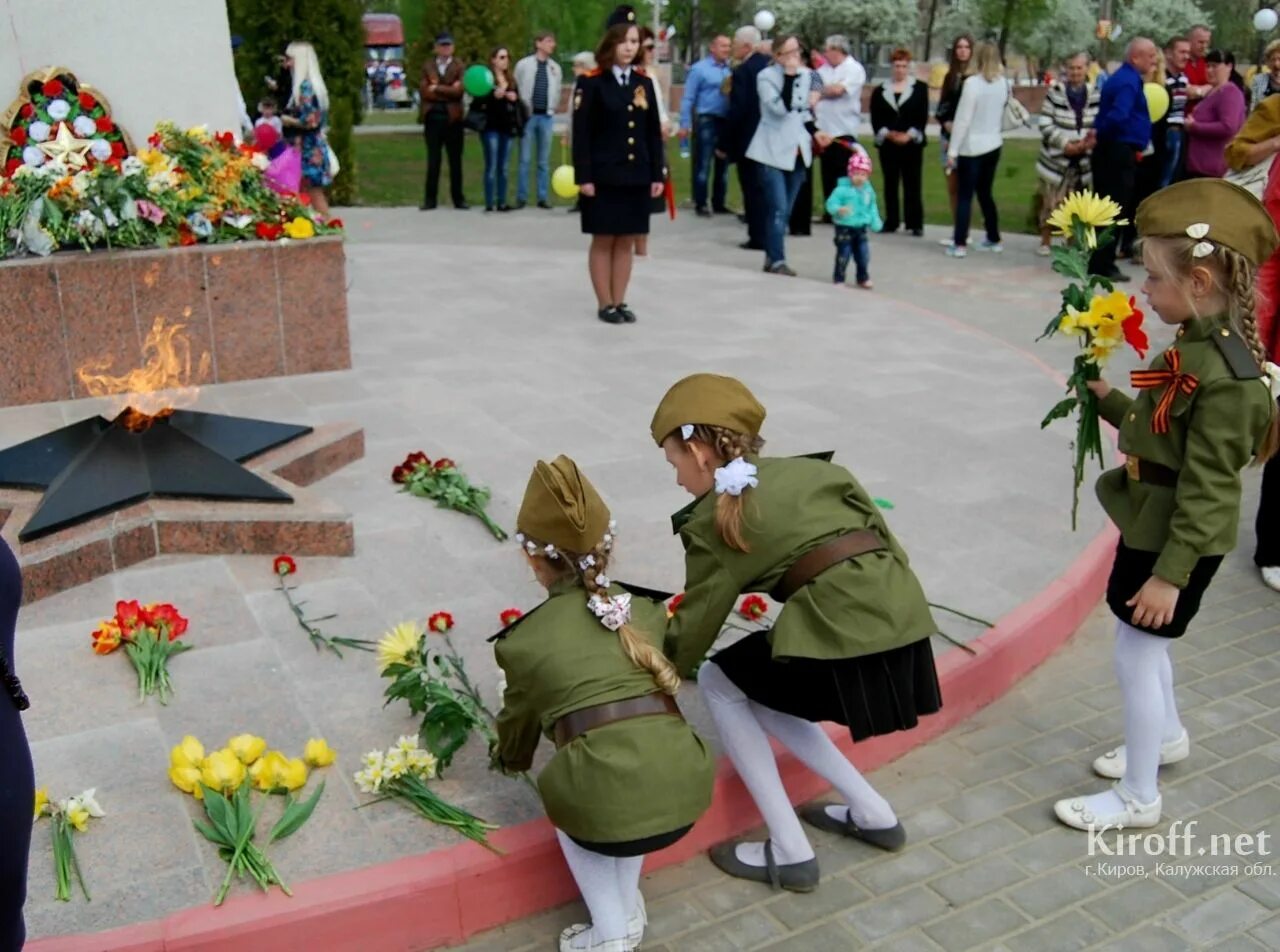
<point>1173,380</point>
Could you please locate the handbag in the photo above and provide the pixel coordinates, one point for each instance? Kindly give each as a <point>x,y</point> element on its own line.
<point>1015,114</point>
<point>476,118</point>
<point>334,165</point>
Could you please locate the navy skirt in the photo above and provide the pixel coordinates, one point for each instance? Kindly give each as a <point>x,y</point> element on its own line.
<point>616,210</point>
<point>1130,572</point>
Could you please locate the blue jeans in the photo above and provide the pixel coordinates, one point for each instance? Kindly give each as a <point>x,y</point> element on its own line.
<point>977,174</point>
<point>536,130</point>
<point>1173,139</point>
<point>496,148</point>
<point>779,189</point>
<point>852,243</point>
<point>706,131</point>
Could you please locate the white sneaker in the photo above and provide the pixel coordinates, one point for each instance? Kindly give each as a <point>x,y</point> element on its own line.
<point>582,938</point>
<point>956,251</point>
<point>1112,764</point>
<point>635,925</point>
<point>994,247</point>
<point>1271,576</point>
<point>1134,815</point>
<point>1044,251</point>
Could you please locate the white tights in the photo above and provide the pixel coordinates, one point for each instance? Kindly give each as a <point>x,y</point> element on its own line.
<point>610,886</point>
<point>742,725</point>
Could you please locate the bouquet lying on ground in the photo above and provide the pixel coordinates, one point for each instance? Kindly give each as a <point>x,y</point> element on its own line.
<point>149,634</point>
<point>1100,317</point>
<point>69,816</point>
<point>283,566</point>
<point>435,684</point>
<point>402,773</point>
<point>224,781</point>
<point>447,485</point>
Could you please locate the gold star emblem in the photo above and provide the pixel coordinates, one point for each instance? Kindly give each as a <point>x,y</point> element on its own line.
<point>67,148</point>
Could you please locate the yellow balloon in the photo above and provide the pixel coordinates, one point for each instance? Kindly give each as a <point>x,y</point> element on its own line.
<point>562,182</point>
<point>1157,100</point>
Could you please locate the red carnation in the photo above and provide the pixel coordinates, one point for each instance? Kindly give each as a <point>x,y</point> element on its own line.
<point>284,565</point>
<point>335,223</point>
<point>103,124</point>
<point>445,463</point>
<point>154,140</point>
<point>509,616</point>
<point>117,150</point>
<point>440,622</point>
<point>87,102</point>
<point>416,457</point>
<point>53,87</point>
<point>18,135</point>
<point>753,607</point>
<point>674,604</point>
<point>27,110</point>
<point>226,140</point>
<point>268,231</point>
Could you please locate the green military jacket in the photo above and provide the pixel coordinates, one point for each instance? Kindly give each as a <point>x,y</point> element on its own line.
<point>862,606</point>
<point>623,781</point>
<point>1213,433</point>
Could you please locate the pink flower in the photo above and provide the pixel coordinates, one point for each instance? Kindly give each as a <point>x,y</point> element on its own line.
<point>150,211</point>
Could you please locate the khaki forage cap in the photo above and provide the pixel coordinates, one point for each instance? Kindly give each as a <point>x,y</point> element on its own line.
<point>1210,210</point>
<point>708,399</point>
<point>562,507</point>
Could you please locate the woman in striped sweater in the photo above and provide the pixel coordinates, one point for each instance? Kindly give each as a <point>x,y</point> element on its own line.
<point>1066,138</point>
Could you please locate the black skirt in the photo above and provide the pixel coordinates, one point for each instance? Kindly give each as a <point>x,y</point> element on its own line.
<point>616,210</point>
<point>1130,572</point>
<point>875,694</point>
<point>640,847</point>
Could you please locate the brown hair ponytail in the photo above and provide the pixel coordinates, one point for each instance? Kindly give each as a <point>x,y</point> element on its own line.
<point>727,446</point>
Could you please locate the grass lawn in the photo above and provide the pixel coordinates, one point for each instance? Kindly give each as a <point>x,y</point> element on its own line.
<point>392,117</point>
<point>392,168</point>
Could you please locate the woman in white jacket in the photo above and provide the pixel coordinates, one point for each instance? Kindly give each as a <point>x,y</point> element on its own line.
<point>783,142</point>
<point>974,151</point>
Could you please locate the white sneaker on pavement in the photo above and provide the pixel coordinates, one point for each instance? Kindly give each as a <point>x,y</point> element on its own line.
<point>1076,812</point>
<point>1271,576</point>
<point>582,938</point>
<point>1112,764</point>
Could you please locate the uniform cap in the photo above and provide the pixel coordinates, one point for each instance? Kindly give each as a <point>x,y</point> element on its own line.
<point>708,399</point>
<point>1212,211</point>
<point>561,507</point>
<point>624,13</point>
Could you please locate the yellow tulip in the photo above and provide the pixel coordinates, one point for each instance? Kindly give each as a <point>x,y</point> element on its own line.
<point>318,753</point>
<point>294,775</point>
<point>42,800</point>
<point>189,753</point>
<point>187,779</point>
<point>222,770</point>
<point>300,228</point>
<point>267,772</point>
<point>247,747</point>
<point>78,817</point>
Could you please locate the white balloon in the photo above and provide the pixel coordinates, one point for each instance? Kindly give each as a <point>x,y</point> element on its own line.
<point>764,21</point>
<point>1264,21</point>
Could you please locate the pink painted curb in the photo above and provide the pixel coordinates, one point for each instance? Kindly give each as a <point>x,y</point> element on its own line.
<point>429,901</point>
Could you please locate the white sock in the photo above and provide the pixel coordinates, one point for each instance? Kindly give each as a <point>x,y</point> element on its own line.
<point>628,868</point>
<point>1173,728</point>
<point>748,748</point>
<point>1139,659</point>
<point>810,743</point>
<point>598,881</point>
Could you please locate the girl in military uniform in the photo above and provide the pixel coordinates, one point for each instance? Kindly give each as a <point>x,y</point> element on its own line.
<point>850,645</point>
<point>617,161</point>
<point>586,669</point>
<point>1202,413</point>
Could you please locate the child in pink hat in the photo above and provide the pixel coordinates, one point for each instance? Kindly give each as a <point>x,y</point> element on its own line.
<point>854,209</point>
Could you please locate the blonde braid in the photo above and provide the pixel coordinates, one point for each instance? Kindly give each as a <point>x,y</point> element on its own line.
<point>729,445</point>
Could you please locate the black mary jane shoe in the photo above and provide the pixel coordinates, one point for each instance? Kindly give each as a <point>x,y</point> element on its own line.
<point>611,315</point>
<point>795,877</point>
<point>628,315</point>
<point>892,839</point>
<point>504,207</point>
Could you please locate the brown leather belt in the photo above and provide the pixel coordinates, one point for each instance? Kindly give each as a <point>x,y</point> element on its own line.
<point>816,561</point>
<point>1145,471</point>
<point>588,718</point>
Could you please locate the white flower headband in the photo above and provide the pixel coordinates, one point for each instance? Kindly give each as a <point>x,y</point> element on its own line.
<point>585,563</point>
<point>1199,231</point>
<point>733,477</point>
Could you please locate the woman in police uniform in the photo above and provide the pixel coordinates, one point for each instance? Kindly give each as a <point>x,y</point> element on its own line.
<point>617,161</point>
<point>851,644</point>
<point>586,669</point>
<point>1203,412</point>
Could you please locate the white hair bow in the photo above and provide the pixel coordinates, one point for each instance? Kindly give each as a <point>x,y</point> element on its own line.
<point>613,611</point>
<point>1271,377</point>
<point>735,476</point>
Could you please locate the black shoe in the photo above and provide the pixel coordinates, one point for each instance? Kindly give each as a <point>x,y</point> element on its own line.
<point>504,207</point>
<point>780,267</point>
<point>796,877</point>
<point>611,315</point>
<point>722,210</point>
<point>917,232</point>
<point>521,204</point>
<point>628,315</point>
<point>703,212</point>
<point>461,206</point>
<point>488,208</point>
<point>892,839</point>
<point>750,246</point>
<point>427,206</point>
<point>544,204</point>
<point>742,219</point>
<point>1115,274</point>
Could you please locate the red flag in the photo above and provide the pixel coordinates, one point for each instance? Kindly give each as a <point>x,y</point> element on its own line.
<point>670,189</point>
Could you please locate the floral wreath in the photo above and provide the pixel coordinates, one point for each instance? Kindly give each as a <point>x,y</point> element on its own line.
<point>613,611</point>
<point>51,104</point>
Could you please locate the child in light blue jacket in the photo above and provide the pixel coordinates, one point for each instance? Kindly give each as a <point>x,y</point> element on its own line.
<point>855,211</point>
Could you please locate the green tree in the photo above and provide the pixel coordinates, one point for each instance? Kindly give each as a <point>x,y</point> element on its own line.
<point>333,27</point>
<point>1065,29</point>
<point>1159,19</point>
<point>872,22</point>
<point>477,27</point>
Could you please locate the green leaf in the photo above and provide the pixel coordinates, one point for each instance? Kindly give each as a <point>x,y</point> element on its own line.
<point>220,813</point>
<point>1070,262</point>
<point>295,814</point>
<point>212,835</point>
<point>1060,410</point>
<point>444,730</point>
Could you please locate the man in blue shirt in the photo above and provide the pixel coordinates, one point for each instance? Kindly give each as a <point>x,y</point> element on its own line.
<point>703,110</point>
<point>1123,130</point>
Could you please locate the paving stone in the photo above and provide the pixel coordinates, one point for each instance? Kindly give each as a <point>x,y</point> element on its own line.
<point>975,925</point>
<point>996,736</point>
<point>992,836</point>
<point>667,919</point>
<point>994,765</point>
<point>1268,934</point>
<point>1244,772</point>
<point>1062,742</point>
<point>1034,817</point>
<point>911,866</point>
<point>1061,778</point>
<point>985,802</point>
<point>797,910</point>
<point>1133,903</point>
<point>828,937</point>
<point>1252,811</point>
<point>744,930</point>
<point>726,897</point>
<point>882,917</point>
<point>1148,938</point>
<point>1263,889</point>
<point>1186,795</point>
<point>1218,916</point>
<point>1057,847</point>
<point>1228,712</point>
<point>982,878</point>
<point>1236,741</point>
<point>1047,895</point>
<point>928,823</point>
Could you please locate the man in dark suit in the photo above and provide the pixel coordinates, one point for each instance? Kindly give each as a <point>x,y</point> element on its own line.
<point>737,130</point>
<point>441,89</point>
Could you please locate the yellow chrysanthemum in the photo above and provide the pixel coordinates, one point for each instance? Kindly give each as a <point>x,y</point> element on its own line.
<point>1094,211</point>
<point>400,645</point>
<point>42,800</point>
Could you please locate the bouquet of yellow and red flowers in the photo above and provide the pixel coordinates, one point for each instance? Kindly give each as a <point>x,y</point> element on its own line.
<point>149,634</point>
<point>1100,317</point>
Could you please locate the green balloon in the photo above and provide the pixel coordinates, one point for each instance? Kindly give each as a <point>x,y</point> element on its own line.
<point>478,80</point>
